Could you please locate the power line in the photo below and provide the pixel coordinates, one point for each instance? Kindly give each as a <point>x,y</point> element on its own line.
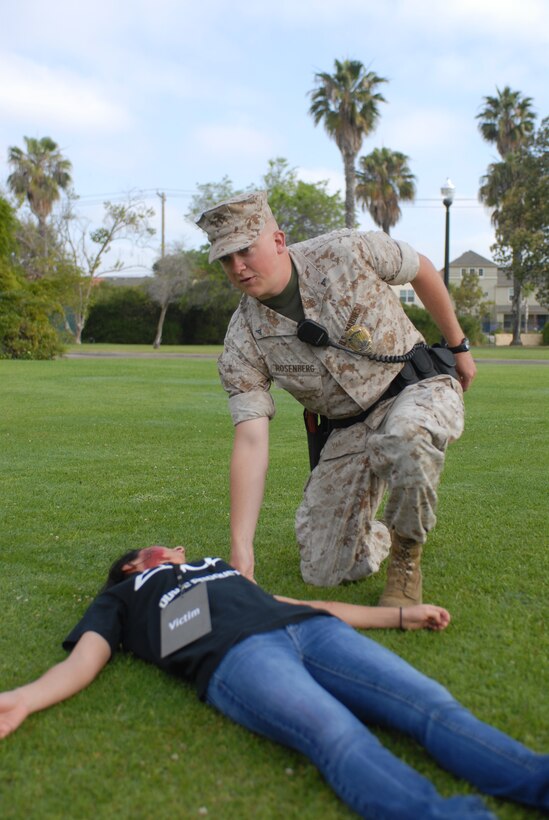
<point>175,192</point>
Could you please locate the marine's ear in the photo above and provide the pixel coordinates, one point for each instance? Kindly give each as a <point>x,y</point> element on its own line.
<point>280,241</point>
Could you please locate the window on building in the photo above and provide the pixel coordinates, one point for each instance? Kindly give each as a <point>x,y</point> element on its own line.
<point>463,271</point>
<point>407,296</point>
<point>472,270</point>
<point>480,272</point>
<point>510,292</point>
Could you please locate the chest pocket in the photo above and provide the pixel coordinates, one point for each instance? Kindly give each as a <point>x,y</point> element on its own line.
<point>296,371</point>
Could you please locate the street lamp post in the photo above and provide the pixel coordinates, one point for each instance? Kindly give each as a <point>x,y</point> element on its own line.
<point>447,192</point>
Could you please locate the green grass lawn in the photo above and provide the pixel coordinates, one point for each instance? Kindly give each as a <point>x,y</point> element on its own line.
<point>103,455</point>
<point>508,353</point>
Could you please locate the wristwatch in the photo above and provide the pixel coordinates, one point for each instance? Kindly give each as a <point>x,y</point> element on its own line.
<point>462,347</point>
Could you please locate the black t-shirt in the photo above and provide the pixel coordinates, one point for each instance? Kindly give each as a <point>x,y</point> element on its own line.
<point>128,615</point>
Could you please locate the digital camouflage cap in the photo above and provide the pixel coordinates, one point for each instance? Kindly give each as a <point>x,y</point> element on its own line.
<point>235,223</point>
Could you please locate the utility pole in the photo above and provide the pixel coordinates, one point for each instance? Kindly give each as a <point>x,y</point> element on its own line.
<point>163,231</point>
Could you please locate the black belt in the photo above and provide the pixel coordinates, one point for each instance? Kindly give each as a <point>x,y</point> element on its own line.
<point>426,363</point>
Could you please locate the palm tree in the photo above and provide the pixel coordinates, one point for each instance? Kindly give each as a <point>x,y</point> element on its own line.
<point>506,120</point>
<point>383,180</point>
<point>347,102</point>
<point>39,175</point>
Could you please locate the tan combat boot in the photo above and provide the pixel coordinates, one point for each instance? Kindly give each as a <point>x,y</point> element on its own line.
<point>403,587</point>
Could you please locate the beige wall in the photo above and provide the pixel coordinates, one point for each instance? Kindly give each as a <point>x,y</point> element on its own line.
<point>528,339</point>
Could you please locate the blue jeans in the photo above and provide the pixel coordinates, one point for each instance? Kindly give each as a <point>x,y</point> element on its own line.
<point>313,686</point>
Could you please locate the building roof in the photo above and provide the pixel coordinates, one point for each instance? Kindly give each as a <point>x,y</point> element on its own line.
<point>470,259</point>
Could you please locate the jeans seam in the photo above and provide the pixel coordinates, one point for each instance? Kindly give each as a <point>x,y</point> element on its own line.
<point>480,741</point>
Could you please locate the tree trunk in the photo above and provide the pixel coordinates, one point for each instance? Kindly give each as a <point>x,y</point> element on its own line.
<point>158,337</point>
<point>81,315</point>
<point>80,322</point>
<point>517,311</point>
<point>350,184</point>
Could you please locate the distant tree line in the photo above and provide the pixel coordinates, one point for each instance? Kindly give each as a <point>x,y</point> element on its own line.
<point>52,261</point>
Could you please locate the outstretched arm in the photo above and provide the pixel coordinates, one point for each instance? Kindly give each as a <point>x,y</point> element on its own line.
<point>422,616</point>
<point>63,680</point>
<point>248,469</point>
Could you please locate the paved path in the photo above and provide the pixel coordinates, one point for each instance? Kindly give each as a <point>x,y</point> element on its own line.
<point>85,354</point>
<point>104,354</point>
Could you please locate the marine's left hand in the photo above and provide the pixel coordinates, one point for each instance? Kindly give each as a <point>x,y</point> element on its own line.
<point>466,369</point>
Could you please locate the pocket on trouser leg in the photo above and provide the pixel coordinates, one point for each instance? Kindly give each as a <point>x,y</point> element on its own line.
<point>335,528</point>
<point>441,402</point>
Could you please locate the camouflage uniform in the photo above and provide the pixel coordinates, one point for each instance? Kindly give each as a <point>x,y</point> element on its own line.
<point>344,280</point>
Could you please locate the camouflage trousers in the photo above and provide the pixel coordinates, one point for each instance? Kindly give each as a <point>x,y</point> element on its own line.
<point>400,451</point>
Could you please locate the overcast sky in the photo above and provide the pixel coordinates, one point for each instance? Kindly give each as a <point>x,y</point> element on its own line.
<point>162,95</point>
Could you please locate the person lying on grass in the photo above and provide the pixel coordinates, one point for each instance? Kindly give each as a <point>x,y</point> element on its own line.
<point>297,673</point>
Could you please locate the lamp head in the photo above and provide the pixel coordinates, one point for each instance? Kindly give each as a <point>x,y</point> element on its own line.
<point>447,191</point>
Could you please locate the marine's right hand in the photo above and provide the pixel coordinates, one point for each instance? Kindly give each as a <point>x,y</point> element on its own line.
<point>243,561</point>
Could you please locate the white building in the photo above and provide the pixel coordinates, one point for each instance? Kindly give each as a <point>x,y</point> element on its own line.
<point>497,287</point>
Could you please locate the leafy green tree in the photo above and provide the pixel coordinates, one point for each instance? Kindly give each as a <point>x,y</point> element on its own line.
<point>26,331</point>
<point>39,256</point>
<point>384,179</point>
<point>507,120</point>
<point>211,293</point>
<point>39,175</point>
<point>517,189</point>
<point>468,297</point>
<point>209,194</point>
<point>8,228</point>
<point>470,304</point>
<point>347,102</point>
<point>87,250</point>
<point>25,307</point>
<point>302,209</point>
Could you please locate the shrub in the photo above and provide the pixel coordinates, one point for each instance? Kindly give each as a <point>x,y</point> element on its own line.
<point>25,328</point>
<point>426,325</point>
<point>423,322</point>
<point>472,328</point>
<point>124,315</point>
